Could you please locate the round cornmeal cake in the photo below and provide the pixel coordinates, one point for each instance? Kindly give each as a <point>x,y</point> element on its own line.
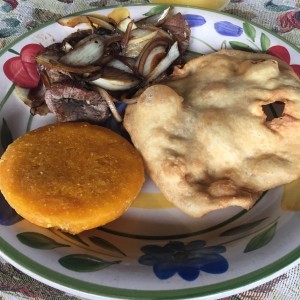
<point>71,176</point>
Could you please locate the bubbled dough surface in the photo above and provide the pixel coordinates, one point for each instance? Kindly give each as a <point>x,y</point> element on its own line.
<point>204,136</point>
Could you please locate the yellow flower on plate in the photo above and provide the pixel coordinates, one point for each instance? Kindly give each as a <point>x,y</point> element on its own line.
<point>119,14</point>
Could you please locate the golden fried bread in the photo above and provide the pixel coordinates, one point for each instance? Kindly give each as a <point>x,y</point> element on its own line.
<point>71,176</point>
<point>204,135</point>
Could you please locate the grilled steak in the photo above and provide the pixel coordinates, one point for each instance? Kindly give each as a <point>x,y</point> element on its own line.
<point>70,102</point>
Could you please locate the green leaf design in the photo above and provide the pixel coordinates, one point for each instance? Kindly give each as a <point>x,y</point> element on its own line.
<point>5,135</point>
<point>240,46</point>
<point>85,263</point>
<point>38,241</point>
<point>12,22</point>
<point>7,95</point>
<point>264,42</point>
<point>155,10</point>
<point>13,51</point>
<point>75,238</point>
<point>261,239</point>
<point>105,245</point>
<point>242,228</point>
<point>250,31</point>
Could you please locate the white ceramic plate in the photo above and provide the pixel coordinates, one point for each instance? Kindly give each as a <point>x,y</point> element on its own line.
<point>155,251</point>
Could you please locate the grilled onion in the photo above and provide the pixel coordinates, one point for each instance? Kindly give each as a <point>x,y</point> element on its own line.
<point>72,21</point>
<point>53,63</point>
<point>165,63</point>
<point>86,53</point>
<point>113,79</point>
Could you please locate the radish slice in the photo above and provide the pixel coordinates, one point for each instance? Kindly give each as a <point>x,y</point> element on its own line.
<point>32,71</point>
<point>16,71</point>
<point>30,51</point>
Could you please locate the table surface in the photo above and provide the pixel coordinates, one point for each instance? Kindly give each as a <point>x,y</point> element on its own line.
<point>280,16</point>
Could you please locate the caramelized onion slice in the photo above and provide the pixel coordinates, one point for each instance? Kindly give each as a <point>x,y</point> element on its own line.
<point>115,80</point>
<point>119,64</point>
<point>53,63</point>
<point>140,38</point>
<point>165,63</point>
<point>110,102</point>
<point>153,59</point>
<point>122,26</point>
<point>151,55</point>
<point>86,53</point>
<point>72,21</point>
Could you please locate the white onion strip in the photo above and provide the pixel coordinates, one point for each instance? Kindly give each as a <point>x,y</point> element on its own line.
<point>110,102</point>
<point>165,63</point>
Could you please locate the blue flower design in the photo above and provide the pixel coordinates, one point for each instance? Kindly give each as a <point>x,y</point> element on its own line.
<point>186,260</point>
<point>228,29</point>
<point>194,20</point>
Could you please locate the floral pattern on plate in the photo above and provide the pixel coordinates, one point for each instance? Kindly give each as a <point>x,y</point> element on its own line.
<point>215,258</point>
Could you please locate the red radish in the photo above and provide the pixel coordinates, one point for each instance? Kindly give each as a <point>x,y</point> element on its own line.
<point>32,72</point>
<point>15,70</point>
<point>280,52</point>
<point>30,51</point>
<point>22,70</point>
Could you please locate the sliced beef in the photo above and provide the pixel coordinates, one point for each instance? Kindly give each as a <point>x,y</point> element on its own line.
<point>70,102</point>
<point>179,29</point>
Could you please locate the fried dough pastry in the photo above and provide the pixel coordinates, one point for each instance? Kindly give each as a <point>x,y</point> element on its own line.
<point>71,176</point>
<point>204,135</point>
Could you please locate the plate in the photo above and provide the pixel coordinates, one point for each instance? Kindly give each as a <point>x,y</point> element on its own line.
<point>154,250</point>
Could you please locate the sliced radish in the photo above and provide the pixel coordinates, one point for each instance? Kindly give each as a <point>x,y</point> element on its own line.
<point>30,51</point>
<point>15,70</point>
<point>32,71</point>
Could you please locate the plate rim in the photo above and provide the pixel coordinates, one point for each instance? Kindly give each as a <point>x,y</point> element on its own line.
<point>229,287</point>
<point>25,34</point>
<point>62,281</point>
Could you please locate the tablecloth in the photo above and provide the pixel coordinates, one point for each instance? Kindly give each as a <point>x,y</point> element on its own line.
<point>19,16</point>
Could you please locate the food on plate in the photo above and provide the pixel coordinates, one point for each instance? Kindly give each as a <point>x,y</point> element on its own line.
<point>73,176</point>
<point>74,102</point>
<point>205,134</point>
<point>111,57</point>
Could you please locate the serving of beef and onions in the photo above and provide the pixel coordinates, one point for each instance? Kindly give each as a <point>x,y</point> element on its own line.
<point>86,74</point>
